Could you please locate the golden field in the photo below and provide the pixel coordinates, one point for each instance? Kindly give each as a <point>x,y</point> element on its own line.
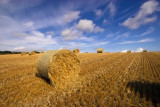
<point>105,79</point>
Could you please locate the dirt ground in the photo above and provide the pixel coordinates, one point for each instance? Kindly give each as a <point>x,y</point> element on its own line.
<point>108,79</point>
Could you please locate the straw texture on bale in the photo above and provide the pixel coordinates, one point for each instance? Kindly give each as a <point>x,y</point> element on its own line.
<point>129,51</point>
<point>145,51</point>
<point>61,67</point>
<point>99,50</point>
<point>76,50</point>
<point>32,53</point>
<point>23,53</point>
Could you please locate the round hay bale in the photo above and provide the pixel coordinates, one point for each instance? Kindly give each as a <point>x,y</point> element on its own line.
<point>129,51</point>
<point>86,52</point>
<point>41,52</point>
<point>23,53</point>
<point>76,50</point>
<point>145,51</point>
<point>61,67</point>
<point>32,53</point>
<point>99,50</point>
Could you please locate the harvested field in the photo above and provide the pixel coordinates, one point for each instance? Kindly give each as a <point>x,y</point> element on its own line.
<point>106,79</point>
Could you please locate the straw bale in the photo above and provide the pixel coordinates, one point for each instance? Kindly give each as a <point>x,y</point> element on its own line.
<point>61,67</point>
<point>76,50</point>
<point>99,50</point>
<point>129,51</point>
<point>145,51</point>
<point>32,53</point>
<point>23,53</point>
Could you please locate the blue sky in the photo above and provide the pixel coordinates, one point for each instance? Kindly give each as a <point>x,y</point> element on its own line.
<point>115,25</point>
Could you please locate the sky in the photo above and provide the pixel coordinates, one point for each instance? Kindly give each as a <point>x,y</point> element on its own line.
<point>114,25</point>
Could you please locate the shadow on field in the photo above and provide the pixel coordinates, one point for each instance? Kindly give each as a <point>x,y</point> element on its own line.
<point>151,91</point>
<point>45,79</point>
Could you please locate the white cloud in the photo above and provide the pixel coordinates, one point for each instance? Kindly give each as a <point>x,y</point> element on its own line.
<point>98,29</point>
<point>19,48</point>
<point>112,8</point>
<point>74,34</point>
<point>98,12</point>
<point>31,41</point>
<point>27,49</point>
<point>140,41</point>
<point>39,40</point>
<point>144,15</point>
<point>139,50</point>
<point>150,30</point>
<point>70,34</point>
<point>124,51</point>
<point>10,25</point>
<point>70,16</point>
<point>37,33</point>
<point>88,26</point>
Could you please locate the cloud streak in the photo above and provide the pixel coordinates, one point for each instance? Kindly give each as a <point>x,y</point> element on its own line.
<point>140,41</point>
<point>150,30</point>
<point>144,16</point>
<point>112,9</point>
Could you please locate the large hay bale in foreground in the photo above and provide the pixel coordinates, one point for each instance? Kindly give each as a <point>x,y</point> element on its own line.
<point>145,51</point>
<point>129,51</point>
<point>76,50</point>
<point>23,53</point>
<point>99,50</point>
<point>61,67</point>
<point>32,53</point>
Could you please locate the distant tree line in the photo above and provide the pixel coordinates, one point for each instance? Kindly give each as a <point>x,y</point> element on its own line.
<point>12,52</point>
